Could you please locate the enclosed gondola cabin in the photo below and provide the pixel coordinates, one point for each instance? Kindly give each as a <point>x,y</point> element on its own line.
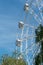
<point>18,42</point>
<point>21,25</point>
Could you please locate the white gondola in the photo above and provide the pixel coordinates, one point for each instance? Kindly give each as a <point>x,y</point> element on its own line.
<point>18,42</point>
<point>26,7</point>
<point>21,25</point>
<point>20,57</point>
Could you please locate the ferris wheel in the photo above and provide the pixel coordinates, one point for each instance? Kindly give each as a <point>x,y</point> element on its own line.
<point>25,42</point>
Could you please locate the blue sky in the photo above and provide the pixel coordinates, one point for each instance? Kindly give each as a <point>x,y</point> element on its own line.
<point>11,12</point>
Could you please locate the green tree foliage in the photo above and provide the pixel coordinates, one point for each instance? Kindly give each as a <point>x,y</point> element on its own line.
<point>39,38</point>
<point>9,60</point>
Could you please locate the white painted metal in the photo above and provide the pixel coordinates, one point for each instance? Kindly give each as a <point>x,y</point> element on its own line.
<point>26,7</point>
<point>25,37</point>
<point>18,42</point>
<point>21,25</point>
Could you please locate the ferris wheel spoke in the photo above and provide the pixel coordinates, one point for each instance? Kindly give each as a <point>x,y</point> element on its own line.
<point>33,56</point>
<point>28,25</point>
<point>29,48</point>
<point>36,51</point>
<point>35,16</point>
<point>39,7</point>
<point>23,52</point>
<point>28,37</point>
